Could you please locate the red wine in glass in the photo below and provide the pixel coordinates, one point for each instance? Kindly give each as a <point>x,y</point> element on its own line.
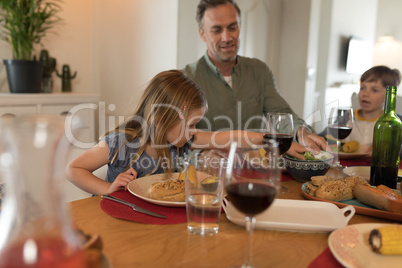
<point>251,198</point>
<point>338,132</point>
<point>284,141</point>
<point>340,126</point>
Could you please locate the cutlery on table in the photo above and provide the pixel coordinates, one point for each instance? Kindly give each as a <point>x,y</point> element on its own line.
<point>134,207</point>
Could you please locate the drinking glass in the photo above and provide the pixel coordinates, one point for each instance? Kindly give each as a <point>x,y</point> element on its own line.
<point>251,187</point>
<point>279,127</point>
<point>204,188</point>
<point>340,125</point>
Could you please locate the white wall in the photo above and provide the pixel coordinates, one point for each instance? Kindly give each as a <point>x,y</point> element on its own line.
<point>116,47</point>
<point>293,52</point>
<point>133,41</point>
<point>389,24</point>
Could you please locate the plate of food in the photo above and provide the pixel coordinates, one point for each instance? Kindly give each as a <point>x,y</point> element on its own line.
<point>351,149</point>
<point>351,246</point>
<point>380,201</point>
<point>160,190</point>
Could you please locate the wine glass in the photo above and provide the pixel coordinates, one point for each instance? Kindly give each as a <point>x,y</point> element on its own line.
<point>251,187</point>
<point>340,125</point>
<point>279,126</point>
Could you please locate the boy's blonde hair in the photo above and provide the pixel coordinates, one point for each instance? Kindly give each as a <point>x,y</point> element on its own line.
<point>388,76</point>
<point>168,99</point>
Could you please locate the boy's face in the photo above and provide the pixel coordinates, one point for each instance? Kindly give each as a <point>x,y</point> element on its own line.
<point>179,135</point>
<point>372,96</point>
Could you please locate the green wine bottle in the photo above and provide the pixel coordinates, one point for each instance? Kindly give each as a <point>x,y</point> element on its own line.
<point>386,144</point>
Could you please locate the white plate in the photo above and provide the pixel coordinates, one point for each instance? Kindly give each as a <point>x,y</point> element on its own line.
<point>360,152</point>
<point>351,248</point>
<point>361,171</point>
<point>139,188</point>
<point>296,215</point>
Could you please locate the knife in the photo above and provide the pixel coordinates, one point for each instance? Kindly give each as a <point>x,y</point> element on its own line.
<point>134,207</point>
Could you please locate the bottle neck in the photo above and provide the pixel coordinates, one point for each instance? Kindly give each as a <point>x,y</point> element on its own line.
<point>390,100</point>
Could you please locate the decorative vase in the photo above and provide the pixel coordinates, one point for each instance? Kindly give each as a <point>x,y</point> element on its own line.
<point>24,76</point>
<point>35,226</point>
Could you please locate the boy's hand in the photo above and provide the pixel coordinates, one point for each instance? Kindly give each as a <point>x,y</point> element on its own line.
<point>121,182</point>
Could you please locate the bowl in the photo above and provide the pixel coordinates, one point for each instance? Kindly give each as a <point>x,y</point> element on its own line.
<point>303,170</point>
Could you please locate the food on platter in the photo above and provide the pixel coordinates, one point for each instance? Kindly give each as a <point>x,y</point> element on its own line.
<point>350,146</point>
<point>380,197</point>
<point>172,190</point>
<point>387,240</point>
<point>334,189</point>
<point>316,181</point>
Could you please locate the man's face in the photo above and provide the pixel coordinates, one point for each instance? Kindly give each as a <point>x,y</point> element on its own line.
<point>221,30</point>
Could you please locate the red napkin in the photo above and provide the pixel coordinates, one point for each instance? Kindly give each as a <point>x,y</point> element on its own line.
<point>173,215</point>
<point>326,259</point>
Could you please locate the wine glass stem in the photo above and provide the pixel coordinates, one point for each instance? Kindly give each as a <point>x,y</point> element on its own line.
<point>248,257</point>
<point>338,148</point>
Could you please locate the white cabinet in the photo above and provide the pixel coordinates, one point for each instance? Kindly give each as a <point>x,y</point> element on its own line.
<point>82,105</point>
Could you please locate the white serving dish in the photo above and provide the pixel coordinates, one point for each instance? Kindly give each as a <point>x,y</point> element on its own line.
<point>296,215</point>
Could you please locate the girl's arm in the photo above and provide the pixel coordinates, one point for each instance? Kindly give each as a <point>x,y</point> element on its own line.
<point>79,171</point>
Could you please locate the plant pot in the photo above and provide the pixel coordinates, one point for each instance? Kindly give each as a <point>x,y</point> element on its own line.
<point>24,76</point>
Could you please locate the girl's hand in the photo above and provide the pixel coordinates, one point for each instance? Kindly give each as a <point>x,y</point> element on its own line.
<point>296,149</point>
<point>120,183</point>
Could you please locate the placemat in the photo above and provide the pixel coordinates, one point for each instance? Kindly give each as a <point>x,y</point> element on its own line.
<point>325,259</point>
<point>173,215</point>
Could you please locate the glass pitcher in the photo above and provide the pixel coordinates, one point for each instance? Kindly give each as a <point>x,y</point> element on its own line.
<point>35,227</point>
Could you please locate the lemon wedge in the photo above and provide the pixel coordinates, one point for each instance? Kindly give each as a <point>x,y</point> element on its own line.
<point>192,174</point>
<point>263,152</point>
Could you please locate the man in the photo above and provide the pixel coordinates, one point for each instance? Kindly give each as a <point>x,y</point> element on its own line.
<point>239,90</point>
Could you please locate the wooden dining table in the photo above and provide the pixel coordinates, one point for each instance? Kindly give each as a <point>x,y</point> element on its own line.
<point>132,244</point>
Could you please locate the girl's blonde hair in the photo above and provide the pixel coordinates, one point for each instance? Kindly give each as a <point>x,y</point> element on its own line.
<point>168,99</point>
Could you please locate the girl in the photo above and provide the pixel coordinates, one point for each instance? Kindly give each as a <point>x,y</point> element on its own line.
<point>373,84</point>
<point>161,129</point>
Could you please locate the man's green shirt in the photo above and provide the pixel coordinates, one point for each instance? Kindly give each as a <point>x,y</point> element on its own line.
<point>241,107</point>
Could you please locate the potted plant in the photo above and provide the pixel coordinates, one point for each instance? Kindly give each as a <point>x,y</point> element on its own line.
<point>24,23</point>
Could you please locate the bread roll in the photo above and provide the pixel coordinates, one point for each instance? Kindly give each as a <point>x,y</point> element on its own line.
<point>318,180</point>
<point>310,189</point>
<point>381,197</point>
<point>173,190</point>
<point>340,189</point>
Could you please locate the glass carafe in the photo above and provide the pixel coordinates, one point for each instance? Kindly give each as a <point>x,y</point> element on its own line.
<point>35,227</point>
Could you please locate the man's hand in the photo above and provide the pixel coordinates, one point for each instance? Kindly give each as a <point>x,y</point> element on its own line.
<point>296,149</point>
<point>311,140</point>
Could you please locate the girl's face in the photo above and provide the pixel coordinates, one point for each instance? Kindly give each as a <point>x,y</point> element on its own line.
<point>178,135</point>
<point>372,96</point>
